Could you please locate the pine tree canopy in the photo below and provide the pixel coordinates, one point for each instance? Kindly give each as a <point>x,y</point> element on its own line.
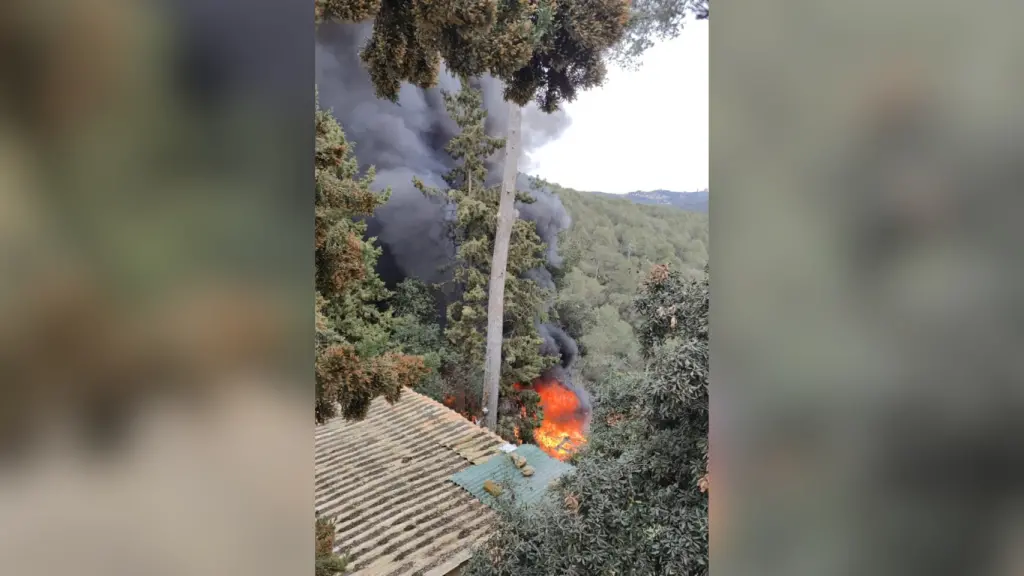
<point>653,20</point>
<point>544,50</point>
<point>356,358</point>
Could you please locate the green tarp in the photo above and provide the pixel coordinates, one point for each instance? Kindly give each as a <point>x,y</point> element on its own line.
<point>515,487</point>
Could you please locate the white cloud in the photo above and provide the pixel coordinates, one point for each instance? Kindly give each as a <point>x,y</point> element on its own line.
<point>642,130</point>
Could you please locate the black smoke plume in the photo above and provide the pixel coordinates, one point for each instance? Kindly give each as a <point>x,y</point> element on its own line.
<point>407,139</point>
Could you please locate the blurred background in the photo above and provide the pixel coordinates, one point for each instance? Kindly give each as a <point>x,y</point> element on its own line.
<point>155,309</point>
<point>867,288</point>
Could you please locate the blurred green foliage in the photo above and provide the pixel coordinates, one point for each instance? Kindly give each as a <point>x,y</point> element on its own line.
<point>327,562</point>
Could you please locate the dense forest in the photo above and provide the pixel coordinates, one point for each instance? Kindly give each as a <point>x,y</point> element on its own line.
<point>603,299</point>
<point>612,245</point>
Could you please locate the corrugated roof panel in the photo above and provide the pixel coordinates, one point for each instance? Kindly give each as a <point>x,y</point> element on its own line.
<point>385,481</point>
<point>502,471</point>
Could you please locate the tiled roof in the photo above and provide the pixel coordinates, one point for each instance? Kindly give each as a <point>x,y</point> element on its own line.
<point>385,481</point>
<point>525,490</point>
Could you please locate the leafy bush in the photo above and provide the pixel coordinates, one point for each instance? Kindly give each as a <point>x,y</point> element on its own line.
<point>637,502</point>
<point>327,562</point>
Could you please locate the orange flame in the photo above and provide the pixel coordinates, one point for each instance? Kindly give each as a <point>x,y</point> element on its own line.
<point>561,431</point>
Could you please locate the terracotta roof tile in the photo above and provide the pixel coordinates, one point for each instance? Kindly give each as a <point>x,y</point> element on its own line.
<point>386,482</point>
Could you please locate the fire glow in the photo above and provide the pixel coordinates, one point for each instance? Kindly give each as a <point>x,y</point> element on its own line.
<point>451,402</point>
<point>562,430</point>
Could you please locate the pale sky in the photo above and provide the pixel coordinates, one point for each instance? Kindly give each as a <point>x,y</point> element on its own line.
<point>642,130</point>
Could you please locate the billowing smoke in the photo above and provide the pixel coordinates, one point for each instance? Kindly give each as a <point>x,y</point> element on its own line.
<point>407,140</point>
<point>556,341</point>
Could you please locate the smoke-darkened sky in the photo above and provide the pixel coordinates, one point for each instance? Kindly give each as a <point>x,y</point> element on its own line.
<point>406,139</point>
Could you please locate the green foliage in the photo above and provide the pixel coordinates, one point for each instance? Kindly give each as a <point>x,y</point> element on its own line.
<point>653,20</point>
<point>611,244</point>
<point>327,563</point>
<point>356,357</point>
<point>416,330</point>
<point>637,502</point>
<point>473,231</point>
<point>543,50</point>
<point>576,317</point>
<point>611,344</point>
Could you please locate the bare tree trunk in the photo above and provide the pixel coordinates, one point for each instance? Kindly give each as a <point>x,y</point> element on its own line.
<point>496,294</point>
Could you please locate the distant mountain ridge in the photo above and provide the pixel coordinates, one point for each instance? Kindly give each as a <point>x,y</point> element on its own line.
<point>692,201</point>
<point>696,201</point>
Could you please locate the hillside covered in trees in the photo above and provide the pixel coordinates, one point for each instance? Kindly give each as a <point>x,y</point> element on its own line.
<point>638,500</point>
<point>612,245</point>
<point>694,201</point>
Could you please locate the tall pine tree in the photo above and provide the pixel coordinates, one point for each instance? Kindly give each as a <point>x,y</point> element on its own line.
<point>474,231</point>
<point>356,359</point>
